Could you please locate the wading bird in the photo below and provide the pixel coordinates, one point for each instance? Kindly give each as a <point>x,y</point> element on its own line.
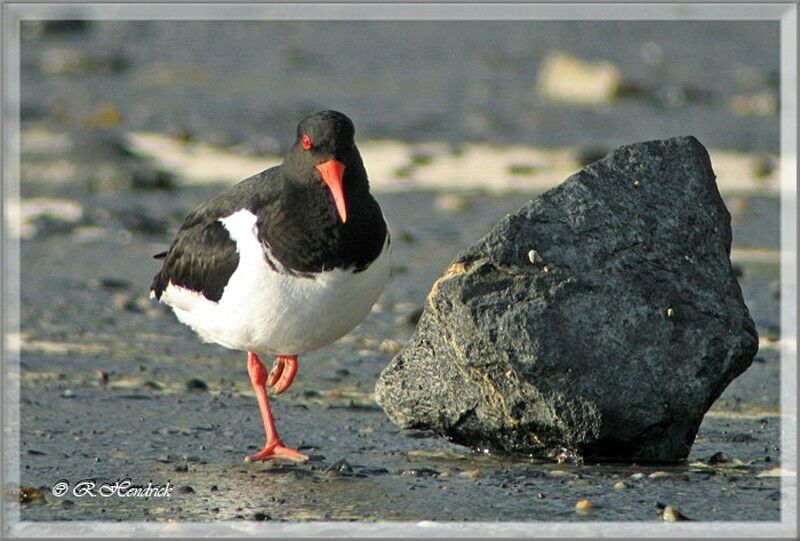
<point>285,262</point>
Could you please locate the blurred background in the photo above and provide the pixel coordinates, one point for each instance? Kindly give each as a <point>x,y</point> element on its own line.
<point>126,126</point>
<point>551,83</point>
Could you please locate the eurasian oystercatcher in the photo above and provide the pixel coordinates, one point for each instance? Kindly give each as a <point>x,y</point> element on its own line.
<point>285,262</point>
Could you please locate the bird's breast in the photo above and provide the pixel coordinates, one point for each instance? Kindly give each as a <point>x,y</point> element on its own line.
<point>269,309</point>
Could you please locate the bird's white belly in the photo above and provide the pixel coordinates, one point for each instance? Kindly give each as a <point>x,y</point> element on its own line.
<point>272,312</point>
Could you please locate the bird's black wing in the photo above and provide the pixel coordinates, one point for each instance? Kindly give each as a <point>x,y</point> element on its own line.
<point>202,259</point>
<point>203,256</point>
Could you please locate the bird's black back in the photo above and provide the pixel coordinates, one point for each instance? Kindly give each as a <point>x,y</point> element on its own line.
<point>296,224</point>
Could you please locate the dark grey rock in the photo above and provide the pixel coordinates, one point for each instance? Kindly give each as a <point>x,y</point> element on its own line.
<point>612,345</point>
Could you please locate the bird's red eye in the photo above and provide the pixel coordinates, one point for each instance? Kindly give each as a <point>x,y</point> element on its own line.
<point>306,142</point>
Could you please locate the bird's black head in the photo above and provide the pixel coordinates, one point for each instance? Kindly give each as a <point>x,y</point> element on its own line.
<point>328,132</point>
<point>325,150</point>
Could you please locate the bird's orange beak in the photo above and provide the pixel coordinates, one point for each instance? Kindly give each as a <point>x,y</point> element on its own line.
<point>332,173</point>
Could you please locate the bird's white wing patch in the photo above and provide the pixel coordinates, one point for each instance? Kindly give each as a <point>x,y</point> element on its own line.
<point>241,226</point>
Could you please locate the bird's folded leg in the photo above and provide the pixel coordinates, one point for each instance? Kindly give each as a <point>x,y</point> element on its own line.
<point>277,370</point>
<point>287,372</point>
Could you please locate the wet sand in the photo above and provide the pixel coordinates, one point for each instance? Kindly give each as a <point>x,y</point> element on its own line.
<point>85,309</point>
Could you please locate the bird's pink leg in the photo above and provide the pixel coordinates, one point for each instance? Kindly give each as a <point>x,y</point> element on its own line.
<point>274,447</point>
<point>277,370</point>
<point>283,373</point>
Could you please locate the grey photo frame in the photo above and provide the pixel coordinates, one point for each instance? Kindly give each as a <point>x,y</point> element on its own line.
<point>786,13</point>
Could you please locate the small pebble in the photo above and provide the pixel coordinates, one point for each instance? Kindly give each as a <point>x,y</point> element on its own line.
<point>763,166</point>
<point>342,467</point>
<point>620,485</point>
<point>29,495</point>
<point>659,475</point>
<point>471,474</point>
<point>670,312</point>
<point>420,472</point>
<point>534,257</point>
<point>584,507</point>
<point>637,475</point>
<point>260,517</point>
<point>670,514</point>
<point>718,458</point>
<point>114,283</point>
<point>186,489</point>
<point>773,333</point>
<point>196,384</point>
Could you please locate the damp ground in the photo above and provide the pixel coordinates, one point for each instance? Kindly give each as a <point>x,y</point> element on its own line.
<point>113,387</point>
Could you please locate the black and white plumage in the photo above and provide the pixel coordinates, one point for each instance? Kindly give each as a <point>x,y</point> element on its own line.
<point>286,261</point>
